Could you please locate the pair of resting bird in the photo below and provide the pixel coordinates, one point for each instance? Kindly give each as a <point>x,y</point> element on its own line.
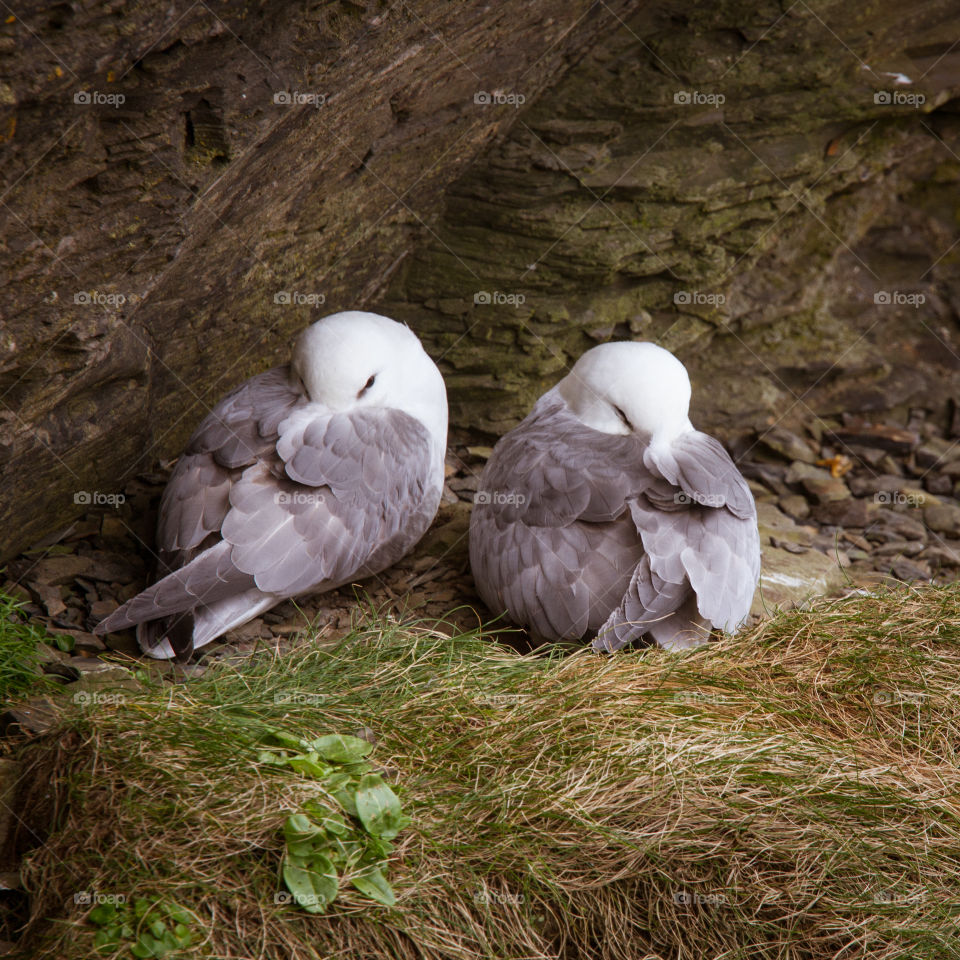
<point>603,513</point>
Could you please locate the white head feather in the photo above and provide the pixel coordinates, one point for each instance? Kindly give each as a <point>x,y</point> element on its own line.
<point>626,387</point>
<point>355,359</point>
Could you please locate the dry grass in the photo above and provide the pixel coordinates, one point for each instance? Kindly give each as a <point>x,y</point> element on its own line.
<point>790,793</point>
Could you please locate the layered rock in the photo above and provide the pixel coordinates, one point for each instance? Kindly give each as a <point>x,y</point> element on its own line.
<point>185,186</point>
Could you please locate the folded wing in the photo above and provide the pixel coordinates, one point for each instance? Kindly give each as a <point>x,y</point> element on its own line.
<point>278,496</point>
<point>699,531</point>
<point>551,541</point>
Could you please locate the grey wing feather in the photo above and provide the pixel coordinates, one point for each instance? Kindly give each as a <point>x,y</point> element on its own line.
<point>702,468</point>
<point>559,582</point>
<point>368,498</point>
<point>714,540</point>
<point>649,601</point>
<point>560,470</point>
<point>553,544</point>
<point>243,426</point>
<point>194,505</point>
<point>723,567</point>
<point>700,554</point>
<point>240,429</point>
<point>209,577</point>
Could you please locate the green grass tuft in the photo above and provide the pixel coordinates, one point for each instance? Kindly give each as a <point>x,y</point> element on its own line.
<point>790,793</point>
<point>19,652</point>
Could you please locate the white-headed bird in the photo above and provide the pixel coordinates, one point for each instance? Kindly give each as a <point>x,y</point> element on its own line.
<point>306,477</point>
<point>604,512</point>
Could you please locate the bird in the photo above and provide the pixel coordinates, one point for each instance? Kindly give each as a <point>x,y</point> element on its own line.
<point>311,475</point>
<point>604,513</point>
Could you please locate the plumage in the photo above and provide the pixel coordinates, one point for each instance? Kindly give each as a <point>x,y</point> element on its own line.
<point>300,480</point>
<point>604,512</point>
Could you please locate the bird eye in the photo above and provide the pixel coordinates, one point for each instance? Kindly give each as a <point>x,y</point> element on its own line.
<point>623,417</point>
<point>367,385</point>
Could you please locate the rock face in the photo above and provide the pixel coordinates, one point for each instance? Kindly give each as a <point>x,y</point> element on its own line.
<point>752,186</point>
<point>758,188</point>
<point>185,187</point>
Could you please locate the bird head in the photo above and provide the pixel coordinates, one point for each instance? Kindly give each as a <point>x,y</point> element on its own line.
<point>355,359</point>
<point>626,387</point>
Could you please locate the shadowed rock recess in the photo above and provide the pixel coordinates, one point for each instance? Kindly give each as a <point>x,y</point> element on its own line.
<point>183,186</point>
<point>769,190</point>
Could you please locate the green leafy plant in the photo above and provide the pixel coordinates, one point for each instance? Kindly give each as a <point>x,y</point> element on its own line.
<point>158,929</point>
<point>322,845</point>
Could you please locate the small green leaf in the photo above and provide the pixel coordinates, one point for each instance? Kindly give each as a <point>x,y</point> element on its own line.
<point>107,939</point>
<point>345,853</point>
<point>316,809</point>
<point>377,849</point>
<point>310,765</point>
<point>302,835</point>
<point>340,748</point>
<point>336,781</point>
<point>335,825</point>
<point>373,884</point>
<point>148,946</point>
<point>285,739</point>
<point>378,808</point>
<point>314,884</point>
<point>168,943</point>
<point>347,798</point>
<point>102,914</point>
<point>158,928</point>
<point>178,913</point>
<point>357,769</point>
